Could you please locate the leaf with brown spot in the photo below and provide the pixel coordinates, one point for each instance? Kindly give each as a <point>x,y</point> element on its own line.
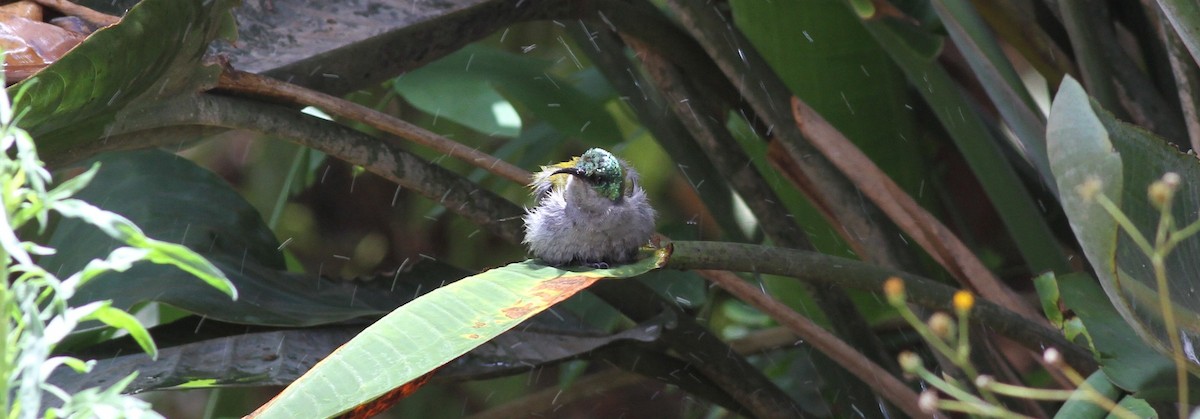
<point>433,330</point>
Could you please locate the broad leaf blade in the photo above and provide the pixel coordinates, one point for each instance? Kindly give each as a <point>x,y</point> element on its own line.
<point>1086,142</point>
<point>155,52</point>
<point>227,355</point>
<point>483,76</point>
<point>193,207</point>
<point>433,330</point>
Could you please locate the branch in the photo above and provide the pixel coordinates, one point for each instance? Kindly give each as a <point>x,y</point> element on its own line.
<point>697,345</point>
<point>927,231</point>
<point>869,372</point>
<point>861,225</point>
<point>266,87</point>
<point>694,109</point>
<point>820,268</point>
<point>385,159</point>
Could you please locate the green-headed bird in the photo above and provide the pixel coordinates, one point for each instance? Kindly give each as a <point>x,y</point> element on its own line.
<point>590,211</point>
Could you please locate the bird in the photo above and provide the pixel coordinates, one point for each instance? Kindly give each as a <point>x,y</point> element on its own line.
<point>590,211</point>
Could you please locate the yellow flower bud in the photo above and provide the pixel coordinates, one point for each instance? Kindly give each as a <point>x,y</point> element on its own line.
<point>893,288</point>
<point>963,301</point>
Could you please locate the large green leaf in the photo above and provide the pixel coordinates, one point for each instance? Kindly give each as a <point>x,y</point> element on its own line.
<point>1126,360</point>
<point>980,147</point>
<point>433,330</point>
<point>832,63</point>
<point>466,85</point>
<point>172,199</point>
<point>1085,142</point>
<point>220,354</point>
<point>155,52</point>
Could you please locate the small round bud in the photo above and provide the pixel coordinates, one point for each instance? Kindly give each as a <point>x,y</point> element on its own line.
<point>984,381</point>
<point>928,401</point>
<point>1172,179</point>
<point>1159,194</point>
<point>1162,190</point>
<point>893,288</point>
<point>1052,356</point>
<point>1089,188</point>
<point>941,325</point>
<point>963,301</point>
<point>910,362</point>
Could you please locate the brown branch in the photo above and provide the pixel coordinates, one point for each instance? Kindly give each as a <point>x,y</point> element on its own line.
<point>829,270</point>
<point>875,376</point>
<point>927,231</point>
<point>266,87</point>
<point>861,225</point>
<point>386,159</point>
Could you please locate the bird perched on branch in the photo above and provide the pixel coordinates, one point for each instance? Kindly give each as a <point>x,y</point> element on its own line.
<point>590,211</point>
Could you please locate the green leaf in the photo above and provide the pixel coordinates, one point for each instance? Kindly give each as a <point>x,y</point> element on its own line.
<point>191,262</point>
<point>433,330</point>
<point>119,319</point>
<point>120,228</point>
<point>980,147</point>
<point>272,357</point>
<point>464,87</point>
<point>1184,16</point>
<point>1047,290</point>
<point>122,70</point>
<point>1079,406</point>
<point>1086,142</point>
<point>73,185</point>
<point>998,78</point>
<point>174,200</point>
<point>1126,360</point>
<point>827,59</point>
<point>112,224</point>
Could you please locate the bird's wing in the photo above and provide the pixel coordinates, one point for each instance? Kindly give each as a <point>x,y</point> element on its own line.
<point>632,178</point>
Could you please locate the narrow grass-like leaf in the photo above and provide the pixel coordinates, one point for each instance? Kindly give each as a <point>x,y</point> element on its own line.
<point>119,319</point>
<point>433,330</point>
<point>1185,18</point>
<point>180,256</point>
<point>981,149</point>
<point>1001,82</point>
<point>120,228</point>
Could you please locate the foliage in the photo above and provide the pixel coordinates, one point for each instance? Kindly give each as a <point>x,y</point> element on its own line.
<point>37,313</point>
<point>942,142</point>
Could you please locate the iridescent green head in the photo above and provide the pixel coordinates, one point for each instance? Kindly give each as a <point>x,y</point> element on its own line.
<point>600,169</point>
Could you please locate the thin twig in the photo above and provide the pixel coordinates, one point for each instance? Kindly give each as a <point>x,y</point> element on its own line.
<point>820,268</point>
<point>262,86</point>
<point>875,376</point>
<point>386,159</point>
<point>695,110</point>
<point>927,231</point>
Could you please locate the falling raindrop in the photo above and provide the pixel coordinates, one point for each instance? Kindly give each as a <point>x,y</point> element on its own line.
<point>570,52</point>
